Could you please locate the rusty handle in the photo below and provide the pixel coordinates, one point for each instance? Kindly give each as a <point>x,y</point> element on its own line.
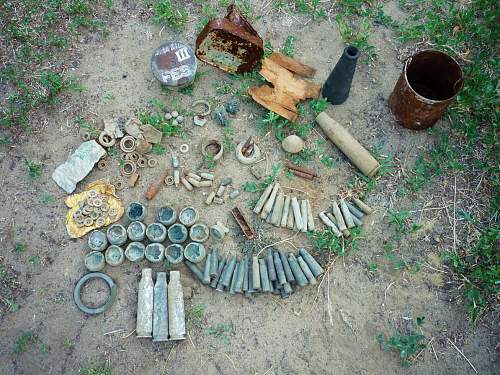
<point>156,185</point>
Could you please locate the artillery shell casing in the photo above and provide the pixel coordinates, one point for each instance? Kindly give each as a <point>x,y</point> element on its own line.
<point>175,161</point>
<point>329,223</point>
<point>303,214</point>
<point>176,315</point>
<point>250,274</point>
<point>144,327</point>
<point>234,278</point>
<point>207,176</point>
<point>356,221</point>
<point>206,271</point>
<point>214,263</point>
<point>194,176</point>
<point>226,277</point>
<point>186,184</point>
<point>300,278</point>
<point>307,271</point>
<point>286,209</point>
<point>205,183</point>
<point>345,232</point>
<point>263,199</point>
<point>177,177</point>
<point>264,277</point>
<point>245,275</point>
<point>290,221</point>
<point>210,198</point>
<point>310,218</point>
<point>271,287</point>
<point>220,191</point>
<point>270,202</point>
<point>278,210</point>
<point>215,281</point>
<point>363,206</point>
<point>220,287</point>
<point>286,267</point>
<point>160,308</point>
<point>280,273</point>
<point>276,287</point>
<point>314,266</point>
<point>270,265</point>
<point>194,269</point>
<point>296,213</point>
<point>286,290</point>
<point>358,155</point>
<point>347,214</point>
<point>193,181</point>
<point>338,216</point>
<point>269,217</point>
<point>255,273</point>
<point>354,211</point>
<point>239,277</point>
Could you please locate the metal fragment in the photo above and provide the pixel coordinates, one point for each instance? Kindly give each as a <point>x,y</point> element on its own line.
<point>243,223</point>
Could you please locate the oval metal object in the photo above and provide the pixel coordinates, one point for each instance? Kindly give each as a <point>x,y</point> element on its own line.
<point>100,309</point>
<point>174,64</point>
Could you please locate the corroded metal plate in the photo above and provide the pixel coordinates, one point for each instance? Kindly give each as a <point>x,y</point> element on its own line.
<point>174,64</point>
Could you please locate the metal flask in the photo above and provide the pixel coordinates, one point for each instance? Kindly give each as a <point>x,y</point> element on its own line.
<point>176,316</point>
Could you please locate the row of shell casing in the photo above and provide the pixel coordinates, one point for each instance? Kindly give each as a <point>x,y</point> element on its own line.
<point>275,273</point>
<point>284,211</point>
<point>160,307</point>
<point>345,215</point>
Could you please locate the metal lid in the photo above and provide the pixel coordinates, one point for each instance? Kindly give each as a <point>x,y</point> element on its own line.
<point>174,64</point>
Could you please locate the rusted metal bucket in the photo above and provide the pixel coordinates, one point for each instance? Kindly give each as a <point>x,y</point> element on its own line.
<point>429,82</point>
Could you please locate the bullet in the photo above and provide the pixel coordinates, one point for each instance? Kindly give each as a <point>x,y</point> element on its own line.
<point>194,176</point>
<point>220,287</point>
<point>207,176</point>
<point>177,177</point>
<point>286,209</point>
<point>234,278</point>
<point>144,326</point>
<point>303,214</point>
<point>310,218</point>
<point>194,269</point>
<point>210,198</point>
<point>186,184</point>
<point>270,265</point>
<point>160,308</point>
<point>239,277</point>
<point>245,275</point>
<point>215,281</point>
<point>286,290</point>
<point>307,271</point>
<point>286,267</point>
<point>270,202</point>
<point>347,214</point>
<point>311,262</point>
<point>297,272</point>
<point>339,220</point>
<point>354,211</point>
<point>214,262</point>
<point>255,273</point>
<point>296,213</point>
<point>263,198</point>
<point>291,219</point>
<point>326,220</point>
<point>206,270</point>
<point>363,206</point>
<point>278,210</point>
<point>280,273</point>
<point>176,316</point>
<point>226,277</point>
<point>193,181</point>
<point>264,278</point>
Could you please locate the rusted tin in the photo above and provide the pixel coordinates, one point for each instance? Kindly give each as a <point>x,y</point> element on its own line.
<point>174,64</point>
<point>429,82</point>
<point>230,43</point>
<point>243,223</point>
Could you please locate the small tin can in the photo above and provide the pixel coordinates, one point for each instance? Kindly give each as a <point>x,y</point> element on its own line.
<point>174,64</point>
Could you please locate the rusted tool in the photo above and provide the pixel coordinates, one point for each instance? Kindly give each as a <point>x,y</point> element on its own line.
<point>230,43</point>
<point>305,170</point>
<point>248,147</point>
<point>243,223</point>
<point>156,185</point>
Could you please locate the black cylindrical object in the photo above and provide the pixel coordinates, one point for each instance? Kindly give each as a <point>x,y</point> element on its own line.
<point>286,267</point>
<point>338,85</point>
<point>280,273</point>
<point>215,281</point>
<point>270,265</point>
<point>194,269</point>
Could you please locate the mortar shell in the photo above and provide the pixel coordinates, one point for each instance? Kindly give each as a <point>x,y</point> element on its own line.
<point>186,184</point>
<point>286,267</point>
<point>354,211</point>
<point>263,199</point>
<point>234,278</point>
<point>250,274</point>
<point>245,275</point>
<point>296,213</point>
<point>264,277</point>
<point>270,265</point>
<point>310,218</point>
<point>280,273</point>
<point>160,308</point>
<point>220,269</point>
<point>290,221</point>
<point>144,323</point>
<point>193,181</point>
<point>363,206</point>
<point>339,219</point>
<point>220,287</point>
<point>214,262</point>
<point>347,214</point>
<point>297,272</point>
<point>177,177</point>
<point>286,209</point>
<point>194,176</point>
<point>278,210</point>
<point>205,183</point>
<point>356,221</point>
<point>255,273</point>
<point>270,202</point>
<point>207,176</point>
<point>220,191</point>
<point>226,277</point>
<point>210,198</point>
<point>314,266</point>
<point>329,223</point>
<point>176,315</point>
<point>303,214</point>
<point>206,270</point>
<point>306,270</point>
<point>239,277</point>
<point>286,291</point>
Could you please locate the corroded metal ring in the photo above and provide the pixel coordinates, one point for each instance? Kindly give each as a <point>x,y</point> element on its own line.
<point>88,222</point>
<point>184,148</point>
<point>100,221</point>
<point>128,168</point>
<point>95,310</point>
<point>106,140</point>
<point>208,109</point>
<point>247,159</point>
<point>169,180</point>
<point>127,144</point>
<point>152,162</point>
<point>119,185</point>
<point>102,164</point>
<point>86,136</point>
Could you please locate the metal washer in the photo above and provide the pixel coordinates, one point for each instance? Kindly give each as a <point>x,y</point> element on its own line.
<point>95,310</point>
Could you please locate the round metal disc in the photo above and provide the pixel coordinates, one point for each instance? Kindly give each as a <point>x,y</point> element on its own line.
<point>174,64</point>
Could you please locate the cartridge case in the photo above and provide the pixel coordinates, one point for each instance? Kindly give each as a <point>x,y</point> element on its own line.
<point>220,269</point>
<point>218,231</point>
<point>194,252</point>
<point>363,206</point>
<point>177,233</point>
<point>214,262</point>
<point>303,213</point>
<point>264,277</point>
<point>114,255</point>
<point>300,278</point>
<point>314,266</point>
<point>136,231</point>
<point>156,232</point>
<point>345,232</point>
<point>296,213</point>
<point>177,177</point>
<point>175,161</point>
<point>205,183</point>
<point>210,198</point>
<point>255,273</point>
<point>270,202</point>
<point>245,275</point>
<point>278,210</point>
<point>354,211</point>
<point>186,184</point>
<point>286,209</point>
<point>192,181</point>
<point>218,200</point>
<point>144,326</point>
<point>339,219</point>
<point>155,252</point>
<point>234,278</point>
<point>167,215</point>
<point>276,287</point>
<point>270,265</point>
<point>160,308</point>
<point>263,199</point>
<point>206,270</point>
<point>286,267</point>
<point>207,176</point>
<point>286,291</point>
<point>220,191</point>
<point>250,275</point>
<point>280,273</point>
<point>226,277</point>
<point>329,223</point>
<point>94,261</point>
<point>239,277</point>
<point>176,316</point>
<point>347,214</point>
<point>356,221</point>
<point>188,216</point>
<point>199,232</point>
<point>194,176</point>
<point>290,221</point>
<point>219,287</point>
<point>174,253</point>
<point>307,271</point>
<point>194,269</point>
<point>269,217</point>
<point>310,218</point>
<point>136,211</point>
<point>135,251</point>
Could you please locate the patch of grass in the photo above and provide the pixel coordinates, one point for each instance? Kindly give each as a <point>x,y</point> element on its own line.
<point>103,369</point>
<point>34,259</point>
<point>196,315</point>
<point>318,105</point>
<point>254,187</point>
<point>357,34</point>
<point>407,344</point>
<point>154,115</point>
<point>228,138</point>
<point>25,340</point>
<point>158,149</point>
<point>328,161</point>
<point>306,155</point>
<point>209,161</point>
<point>5,140</point>
<point>327,241</point>
<point>288,48</point>
<point>169,14</point>
<point>20,247</point>
<point>311,7</point>
<point>221,331</point>
<point>399,219</point>
<point>47,198</point>
<point>34,169</point>
<point>9,288</point>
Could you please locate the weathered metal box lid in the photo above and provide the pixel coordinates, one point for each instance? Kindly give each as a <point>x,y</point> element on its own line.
<point>174,64</point>
<point>230,43</point>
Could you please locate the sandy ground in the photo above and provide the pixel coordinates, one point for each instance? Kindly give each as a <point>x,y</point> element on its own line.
<point>269,335</point>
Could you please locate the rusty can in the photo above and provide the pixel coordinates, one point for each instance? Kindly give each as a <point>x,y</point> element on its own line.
<point>429,82</point>
<point>174,64</point>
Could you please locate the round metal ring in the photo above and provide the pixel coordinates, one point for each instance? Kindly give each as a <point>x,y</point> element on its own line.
<point>94,310</point>
<point>100,221</point>
<point>142,162</point>
<point>128,168</point>
<point>88,222</point>
<point>86,136</point>
<point>97,202</point>
<point>94,215</point>
<point>102,164</point>
<point>206,104</point>
<point>92,193</point>
<point>184,148</point>
<point>169,180</point>
<point>152,162</point>
<point>127,144</point>
<point>119,185</point>
<point>105,207</point>
<point>106,140</point>
<point>247,159</point>
<point>113,211</point>
<point>133,156</point>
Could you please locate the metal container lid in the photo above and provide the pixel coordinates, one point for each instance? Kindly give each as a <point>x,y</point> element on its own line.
<point>174,64</point>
